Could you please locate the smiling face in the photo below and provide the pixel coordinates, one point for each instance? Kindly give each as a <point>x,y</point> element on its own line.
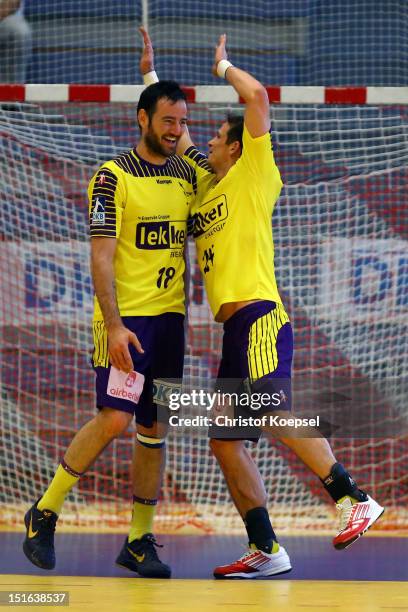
<point>224,149</point>
<point>162,132</point>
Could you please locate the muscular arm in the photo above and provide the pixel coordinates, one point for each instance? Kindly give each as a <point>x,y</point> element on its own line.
<point>8,7</point>
<point>103,276</point>
<point>250,90</point>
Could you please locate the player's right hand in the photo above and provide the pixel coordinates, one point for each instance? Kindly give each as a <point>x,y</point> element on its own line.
<point>146,63</point>
<point>220,52</point>
<point>119,339</point>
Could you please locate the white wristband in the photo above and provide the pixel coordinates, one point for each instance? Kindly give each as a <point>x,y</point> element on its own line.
<point>150,77</point>
<point>222,67</point>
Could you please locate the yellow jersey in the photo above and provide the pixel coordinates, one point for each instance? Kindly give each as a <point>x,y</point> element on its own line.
<point>145,207</point>
<point>233,224</point>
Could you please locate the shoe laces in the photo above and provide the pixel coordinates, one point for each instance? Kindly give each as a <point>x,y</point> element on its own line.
<point>149,544</point>
<point>47,524</point>
<point>249,554</point>
<point>344,514</point>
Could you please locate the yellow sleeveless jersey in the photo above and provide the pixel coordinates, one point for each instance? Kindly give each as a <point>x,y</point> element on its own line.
<point>145,207</point>
<point>233,224</point>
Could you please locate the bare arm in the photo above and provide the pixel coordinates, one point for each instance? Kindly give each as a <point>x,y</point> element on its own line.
<point>103,276</point>
<point>250,90</point>
<point>146,65</point>
<point>102,254</point>
<point>8,7</point>
<point>185,142</point>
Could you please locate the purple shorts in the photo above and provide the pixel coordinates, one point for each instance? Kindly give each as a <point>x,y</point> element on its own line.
<point>256,363</point>
<point>157,372</point>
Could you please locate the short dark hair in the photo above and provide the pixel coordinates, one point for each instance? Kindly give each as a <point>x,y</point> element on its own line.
<point>152,94</point>
<point>236,128</point>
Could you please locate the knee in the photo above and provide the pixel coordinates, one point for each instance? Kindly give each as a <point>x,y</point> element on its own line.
<point>157,430</point>
<point>114,422</point>
<point>152,437</point>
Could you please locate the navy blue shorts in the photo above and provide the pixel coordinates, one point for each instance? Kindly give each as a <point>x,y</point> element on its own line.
<point>157,372</point>
<point>256,363</point>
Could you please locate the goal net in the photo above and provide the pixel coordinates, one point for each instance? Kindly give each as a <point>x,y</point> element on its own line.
<point>301,42</point>
<point>340,230</point>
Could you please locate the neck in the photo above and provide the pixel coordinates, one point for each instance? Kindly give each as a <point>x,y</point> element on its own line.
<point>223,170</point>
<point>149,156</point>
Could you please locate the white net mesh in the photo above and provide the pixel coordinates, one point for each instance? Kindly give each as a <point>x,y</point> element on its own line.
<point>340,231</point>
<point>295,42</point>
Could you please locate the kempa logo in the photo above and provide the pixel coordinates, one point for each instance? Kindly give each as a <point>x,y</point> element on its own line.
<point>212,212</point>
<point>98,213</point>
<point>160,235</point>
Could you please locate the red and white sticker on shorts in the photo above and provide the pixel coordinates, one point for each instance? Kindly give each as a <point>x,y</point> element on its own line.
<point>123,385</point>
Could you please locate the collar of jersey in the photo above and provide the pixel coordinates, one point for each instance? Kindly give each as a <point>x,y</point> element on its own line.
<point>147,163</point>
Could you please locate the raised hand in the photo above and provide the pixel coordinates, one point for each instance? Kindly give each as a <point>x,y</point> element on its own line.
<point>146,63</point>
<point>220,52</point>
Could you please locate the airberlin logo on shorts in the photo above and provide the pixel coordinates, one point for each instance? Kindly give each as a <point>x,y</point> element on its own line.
<point>160,235</point>
<point>127,386</point>
<point>210,214</point>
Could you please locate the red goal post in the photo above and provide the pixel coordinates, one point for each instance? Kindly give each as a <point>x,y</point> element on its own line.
<point>204,94</point>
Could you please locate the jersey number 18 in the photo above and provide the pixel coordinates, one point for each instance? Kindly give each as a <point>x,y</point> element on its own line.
<point>165,276</point>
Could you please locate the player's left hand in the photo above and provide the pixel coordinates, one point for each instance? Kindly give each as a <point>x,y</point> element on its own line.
<point>220,52</point>
<point>146,63</point>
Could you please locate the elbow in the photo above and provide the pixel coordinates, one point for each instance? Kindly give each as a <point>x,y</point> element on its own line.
<point>259,96</point>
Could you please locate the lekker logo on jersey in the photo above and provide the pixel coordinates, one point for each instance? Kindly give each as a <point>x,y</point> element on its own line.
<point>98,213</point>
<point>160,235</point>
<point>210,213</point>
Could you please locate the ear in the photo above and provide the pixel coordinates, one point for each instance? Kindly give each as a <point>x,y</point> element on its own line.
<point>235,148</point>
<point>142,118</point>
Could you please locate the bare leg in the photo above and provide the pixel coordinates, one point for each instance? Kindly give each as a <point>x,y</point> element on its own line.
<point>312,449</point>
<point>148,463</point>
<point>241,474</point>
<point>86,446</point>
<point>94,436</point>
<point>315,453</point>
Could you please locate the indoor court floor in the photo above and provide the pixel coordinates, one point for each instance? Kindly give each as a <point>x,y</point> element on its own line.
<point>370,575</point>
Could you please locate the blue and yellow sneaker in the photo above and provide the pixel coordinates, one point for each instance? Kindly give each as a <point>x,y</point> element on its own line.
<point>38,545</point>
<point>140,556</point>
